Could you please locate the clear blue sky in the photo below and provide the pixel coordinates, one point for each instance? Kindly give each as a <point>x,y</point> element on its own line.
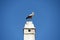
<point>46,19</point>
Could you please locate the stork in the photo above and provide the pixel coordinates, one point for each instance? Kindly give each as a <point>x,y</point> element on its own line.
<point>30,16</point>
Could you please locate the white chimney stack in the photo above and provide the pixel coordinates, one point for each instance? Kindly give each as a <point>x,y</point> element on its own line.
<point>29,31</point>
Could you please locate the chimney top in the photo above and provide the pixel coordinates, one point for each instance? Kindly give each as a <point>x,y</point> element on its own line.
<point>29,24</point>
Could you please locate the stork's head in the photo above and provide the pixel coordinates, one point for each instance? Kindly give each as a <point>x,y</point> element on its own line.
<point>32,14</point>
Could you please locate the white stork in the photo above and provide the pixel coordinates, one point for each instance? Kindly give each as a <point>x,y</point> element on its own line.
<point>30,16</point>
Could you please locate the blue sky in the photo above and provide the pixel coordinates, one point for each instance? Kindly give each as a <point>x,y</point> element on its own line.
<point>46,19</point>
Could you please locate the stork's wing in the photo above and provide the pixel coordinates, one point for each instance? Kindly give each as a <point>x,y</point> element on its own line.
<point>29,17</point>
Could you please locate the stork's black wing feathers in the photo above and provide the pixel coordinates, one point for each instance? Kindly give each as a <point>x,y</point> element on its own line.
<point>29,17</point>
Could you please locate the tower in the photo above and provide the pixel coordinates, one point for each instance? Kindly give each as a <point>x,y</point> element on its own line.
<point>29,31</point>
